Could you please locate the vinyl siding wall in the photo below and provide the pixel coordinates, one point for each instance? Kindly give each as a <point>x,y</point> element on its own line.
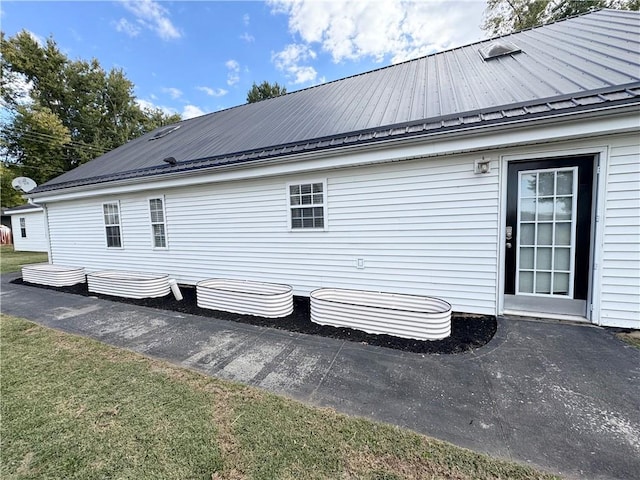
<point>620,293</point>
<point>424,226</point>
<point>36,240</point>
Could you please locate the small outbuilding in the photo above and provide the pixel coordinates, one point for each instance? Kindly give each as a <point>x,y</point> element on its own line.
<point>28,226</point>
<point>502,177</point>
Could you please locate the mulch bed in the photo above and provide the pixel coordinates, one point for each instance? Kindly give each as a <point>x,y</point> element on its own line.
<point>468,332</point>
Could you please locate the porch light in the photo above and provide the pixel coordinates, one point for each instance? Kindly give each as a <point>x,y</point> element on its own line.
<point>482,166</point>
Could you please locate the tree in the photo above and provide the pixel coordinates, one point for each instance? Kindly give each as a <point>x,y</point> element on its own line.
<point>264,90</point>
<point>9,197</point>
<point>60,113</point>
<point>506,16</point>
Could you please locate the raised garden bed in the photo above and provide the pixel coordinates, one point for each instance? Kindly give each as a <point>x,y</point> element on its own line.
<point>270,300</point>
<point>408,316</point>
<point>128,284</point>
<point>53,275</point>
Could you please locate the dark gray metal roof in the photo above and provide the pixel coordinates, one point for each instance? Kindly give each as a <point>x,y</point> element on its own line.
<point>586,62</point>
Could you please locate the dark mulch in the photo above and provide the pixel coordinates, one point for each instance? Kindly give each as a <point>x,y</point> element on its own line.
<point>468,332</point>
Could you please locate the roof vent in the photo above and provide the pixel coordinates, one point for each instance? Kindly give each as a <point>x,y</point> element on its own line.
<point>497,49</point>
<point>164,132</point>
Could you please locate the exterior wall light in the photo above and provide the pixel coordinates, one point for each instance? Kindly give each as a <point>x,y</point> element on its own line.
<point>482,166</point>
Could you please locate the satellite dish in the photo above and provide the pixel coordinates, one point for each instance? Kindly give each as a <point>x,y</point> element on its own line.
<point>23,184</point>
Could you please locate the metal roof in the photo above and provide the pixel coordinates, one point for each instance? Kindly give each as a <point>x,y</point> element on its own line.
<point>21,209</point>
<point>585,62</point>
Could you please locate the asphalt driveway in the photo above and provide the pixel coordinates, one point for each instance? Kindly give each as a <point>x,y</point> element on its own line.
<point>562,397</point>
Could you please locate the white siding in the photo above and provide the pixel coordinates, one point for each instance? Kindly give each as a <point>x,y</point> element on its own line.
<point>620,291</point>
<point>424,227</point>
<point>36,240</point>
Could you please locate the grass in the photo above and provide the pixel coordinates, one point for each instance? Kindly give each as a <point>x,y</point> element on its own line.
<point>632,339</point>
<point>74,408</point>
<point>11,261</point>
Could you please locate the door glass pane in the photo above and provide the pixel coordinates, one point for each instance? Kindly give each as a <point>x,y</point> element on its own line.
<point>543,282</point>
<point>543,260</point>
<point>545,209</point>
<point>545,233</point>
<point>526,282</point>
<point>527,234</point>
<point>545,184</point>
<point>526,258</point>
<point>561,283</point>
<point>563,234</point>
<point>528,210</point>
<point>562,259</point>
<point>565,183</point>
<point>563,208</point>
<point>528,185</point>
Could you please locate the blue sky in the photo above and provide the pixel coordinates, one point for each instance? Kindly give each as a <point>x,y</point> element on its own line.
<point>201,56</point>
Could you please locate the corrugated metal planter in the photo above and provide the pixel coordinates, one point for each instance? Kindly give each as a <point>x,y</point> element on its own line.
<point>407,316</point>
<point>271,300</point>
<point>53,275</point>
<point>128,284</point>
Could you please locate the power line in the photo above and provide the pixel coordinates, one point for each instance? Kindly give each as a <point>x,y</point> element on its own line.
<point>39,137</point>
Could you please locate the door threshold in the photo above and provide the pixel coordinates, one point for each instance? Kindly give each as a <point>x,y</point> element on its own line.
<point>546,316</point>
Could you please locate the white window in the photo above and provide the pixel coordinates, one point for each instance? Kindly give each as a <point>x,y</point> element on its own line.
<point>23,227</point>
<point>111,213</point>
<point>307,205</point>
<point>158,229</point>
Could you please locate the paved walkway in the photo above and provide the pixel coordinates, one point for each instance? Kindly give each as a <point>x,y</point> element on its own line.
<point>562,397</point>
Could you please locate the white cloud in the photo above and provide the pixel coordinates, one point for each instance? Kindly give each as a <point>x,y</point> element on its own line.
<point>213,92</point>
<point>149,105</point>
<point>153,16</point>
<point>233,76</point>
<point>36,38</point>
<point>21,88</point>
<point>247,37</point>
<point>173,92</point>
<point>191,111</point>
<point>394,29</point>
<point>125,26</point>
<point>246,19</point>
<point>289,60</point>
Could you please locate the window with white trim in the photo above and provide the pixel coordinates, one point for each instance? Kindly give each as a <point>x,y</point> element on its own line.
<point>23,227</point>
<point>158,228</point>
<point>111,213</point>
<point>307,205</point>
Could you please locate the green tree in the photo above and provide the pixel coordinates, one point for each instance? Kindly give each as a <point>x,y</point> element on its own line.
<point>264,90</point>
<point>74,110</point>
<point>9,197</point>
<point>506,16</point>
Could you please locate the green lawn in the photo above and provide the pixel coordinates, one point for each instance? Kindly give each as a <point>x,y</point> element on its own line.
<point>11,261</point>
<point>74,408</point>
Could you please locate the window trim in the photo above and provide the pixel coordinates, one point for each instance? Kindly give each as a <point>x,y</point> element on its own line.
<point>105,225</point>
<point>323,205</point>
<point>23,227</point>
<point>152,223</point>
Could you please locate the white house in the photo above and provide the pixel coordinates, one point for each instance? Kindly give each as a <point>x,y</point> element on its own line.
<point>28,227</point>
<point>502,176</point>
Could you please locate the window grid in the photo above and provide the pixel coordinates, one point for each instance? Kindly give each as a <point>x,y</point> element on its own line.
<point>546,265</point>
<point>111,212</point>
<point>158,228</point>
<point>306,204</point>
<point>23,227</point>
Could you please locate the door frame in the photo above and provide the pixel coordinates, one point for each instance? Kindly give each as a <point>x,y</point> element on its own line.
<point>601,154</point>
